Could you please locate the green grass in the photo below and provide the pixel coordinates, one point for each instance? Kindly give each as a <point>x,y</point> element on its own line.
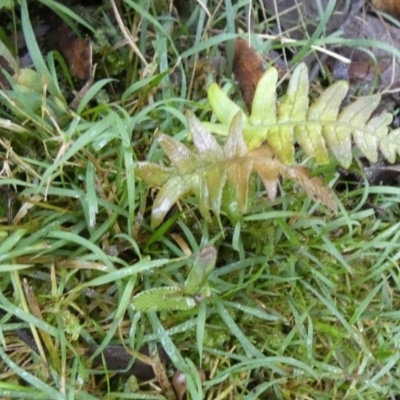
<point>304,303</point>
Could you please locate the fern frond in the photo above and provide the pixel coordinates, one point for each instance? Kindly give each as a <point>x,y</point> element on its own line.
<point>208,171</point>
<point>315,128</point>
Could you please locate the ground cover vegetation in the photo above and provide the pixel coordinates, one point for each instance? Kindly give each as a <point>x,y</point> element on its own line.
<point>129,231</point>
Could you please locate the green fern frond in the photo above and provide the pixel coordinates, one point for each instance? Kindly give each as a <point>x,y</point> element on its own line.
<point>315,128</point>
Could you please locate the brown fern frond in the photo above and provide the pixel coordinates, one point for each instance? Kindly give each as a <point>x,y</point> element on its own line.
<point>206,172</point>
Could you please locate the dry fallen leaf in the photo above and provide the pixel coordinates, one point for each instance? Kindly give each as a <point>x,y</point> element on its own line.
<point>248,68</point>
<point>79,56</point>
<point>78,52</point>
<point>57,36</point>
<point>390,6</point>
<point>364,70</point>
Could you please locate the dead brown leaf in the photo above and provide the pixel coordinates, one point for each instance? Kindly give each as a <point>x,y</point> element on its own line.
<point>57,36</point>
<point>79,55</point>
<point>357,71</point>
<point>78,52</point>
<point>248,68</point>
<point>390,6</point>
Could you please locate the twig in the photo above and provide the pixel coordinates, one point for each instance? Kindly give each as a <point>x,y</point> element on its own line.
<point>127,34</point>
